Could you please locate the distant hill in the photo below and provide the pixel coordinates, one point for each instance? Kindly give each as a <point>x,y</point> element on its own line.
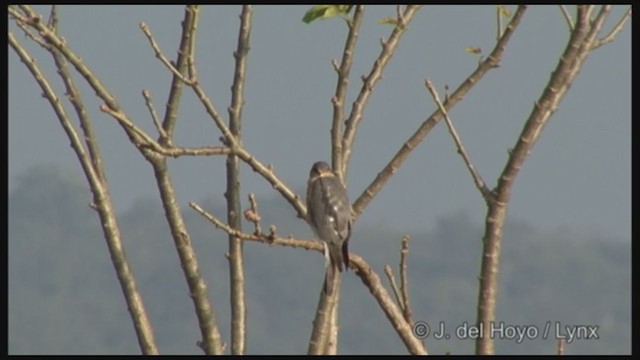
<point>64,297</point>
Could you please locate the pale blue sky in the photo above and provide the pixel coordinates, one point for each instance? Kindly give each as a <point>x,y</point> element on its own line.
<point>578,176</point>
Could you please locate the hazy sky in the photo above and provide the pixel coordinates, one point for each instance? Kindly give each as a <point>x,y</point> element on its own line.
<point>578,176</point>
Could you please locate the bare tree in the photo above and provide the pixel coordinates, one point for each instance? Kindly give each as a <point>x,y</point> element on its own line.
<point>586,35</point>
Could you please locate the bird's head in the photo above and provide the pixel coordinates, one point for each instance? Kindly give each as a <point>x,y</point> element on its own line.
<point>320,168</point>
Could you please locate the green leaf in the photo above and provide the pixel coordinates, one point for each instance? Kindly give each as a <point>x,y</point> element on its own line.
<point>504,11</point>
<point>388,21</point>
<point>391,21</point>
<point>325,11</point>
<point>476,50</point>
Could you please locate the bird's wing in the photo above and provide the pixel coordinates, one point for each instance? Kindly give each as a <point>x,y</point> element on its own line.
<point>338,209</point>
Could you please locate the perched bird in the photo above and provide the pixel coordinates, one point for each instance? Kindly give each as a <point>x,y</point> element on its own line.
<point>329,214</point>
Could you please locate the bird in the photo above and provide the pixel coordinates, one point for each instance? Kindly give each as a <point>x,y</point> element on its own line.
<point>329,215</point>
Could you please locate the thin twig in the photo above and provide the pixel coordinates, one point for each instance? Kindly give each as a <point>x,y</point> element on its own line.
<point>75,98</point>
<point>253,215</point>
<point>229,138</point>
<point>237,279</point>
<point>614,32</point>
<point>477,179</point>
<point>271,239</point>
<point>185,58</point>
<point>57,107</point>
<point>156,49</point>
<point>142,325</point>
<point>265,171</point>
<point>404,281</point>
<point>270,176</point>
<point>597,24</point>
<point>54,40</point>
<point>584,12</point>
<point>491,62</point>
<point>499,22</point>
<point>394,286</point>
<point>338,100</point>
<point>138,136</point>
<point>567,17</point>
<point>372,281</point>
<point>22,23</point>
<point>52,23</point>
<point>388,49</point>
<point>177,151</point>
<point>154,116</point>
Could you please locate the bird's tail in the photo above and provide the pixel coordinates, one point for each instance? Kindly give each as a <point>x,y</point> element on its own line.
<point>338,255</point>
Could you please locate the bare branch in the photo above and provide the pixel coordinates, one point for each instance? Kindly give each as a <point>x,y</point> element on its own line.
<point>596,25</point>
<point>333,301</point>
<point>52,39</point>
<point>567,16</point>
<point>56,105</point>
<point>154,116</point>
<point>338,99</point>
<point>211,336</point>
<point>142,325</point>
<point>570,63</point>
<point>76,101</point>
<point>357,109</point>
<point>52,23</point>
<point>184,63</point>
<point>404,281</point>
<point>584,12</point>
<point>240,73</point>
<point>167,63</point>
<point>229,138</point>
<point>399,12</point>
<point>334,63</point>
<point>324,332</point>
<point>371,280</point>
<point>331,347</point>
<point>177,151</point>
<point>492,61</point>
<point>211,341</point>
<point>319,343</point>
<point>268,174</point>
<point>253,215</point>
<point>477,179</point>
<point>394,286</point>
<point>614,32</point>
<point>271,239</point>
<point>234,208</point>
<point>324,335</point>
<point>21,21</point>
<point>137,135</point>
